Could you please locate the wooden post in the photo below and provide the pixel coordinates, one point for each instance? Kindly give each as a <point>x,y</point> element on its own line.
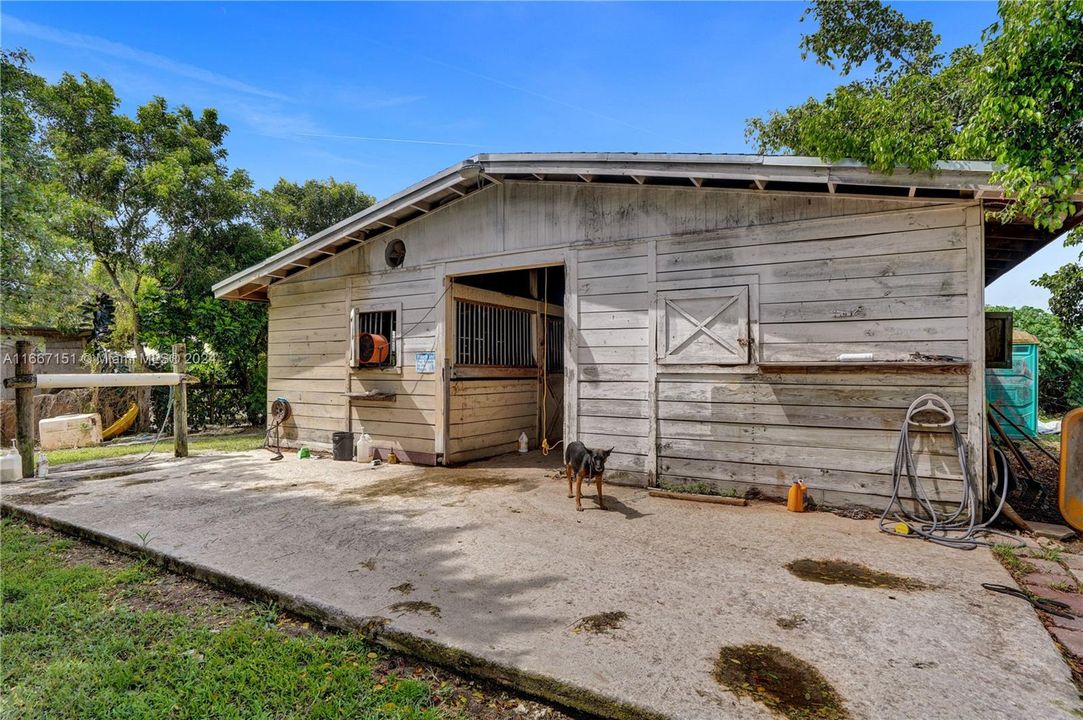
<point>180,404</point>
<point>24,409</point>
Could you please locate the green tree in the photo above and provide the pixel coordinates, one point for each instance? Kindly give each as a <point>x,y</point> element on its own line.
<point>42,282</point>
<point>298,211</point>
<point>181,307</point>
<point>143,189</point>
<point>1017,100</point>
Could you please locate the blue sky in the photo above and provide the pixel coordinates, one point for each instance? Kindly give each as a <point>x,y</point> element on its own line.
<point>386,94</point>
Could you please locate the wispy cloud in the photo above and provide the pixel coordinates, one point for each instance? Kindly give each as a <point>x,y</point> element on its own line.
<point>91,43</point>
<point>273,122</point>
<point>411,141</point>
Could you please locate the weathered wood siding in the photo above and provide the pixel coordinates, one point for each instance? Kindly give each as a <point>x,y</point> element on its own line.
<point>487,416</point>
<point>308,356</point>
<point>886,283</point>
<point>832,274</point>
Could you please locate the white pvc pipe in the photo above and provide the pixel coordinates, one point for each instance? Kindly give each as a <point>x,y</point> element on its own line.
<point>91,380</point>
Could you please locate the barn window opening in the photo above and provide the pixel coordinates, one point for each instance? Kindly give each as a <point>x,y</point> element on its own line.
<point>493,336</point>
<point>374,338</point>
<point>510,319</point>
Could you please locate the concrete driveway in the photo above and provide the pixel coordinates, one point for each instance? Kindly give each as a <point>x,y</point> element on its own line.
<point>489,568</point>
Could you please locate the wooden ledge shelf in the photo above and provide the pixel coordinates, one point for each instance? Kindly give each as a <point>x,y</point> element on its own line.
<point>930,366</point>
<point>371,396</point>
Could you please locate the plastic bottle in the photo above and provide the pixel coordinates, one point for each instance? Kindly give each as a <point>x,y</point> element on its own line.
<point>43,464</point>
<point>524,443</point>
<point>11,464</point>
<point>795,499</point>
<point>363,447</point>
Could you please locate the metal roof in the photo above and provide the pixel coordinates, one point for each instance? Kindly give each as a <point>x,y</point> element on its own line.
<point>951,180</point>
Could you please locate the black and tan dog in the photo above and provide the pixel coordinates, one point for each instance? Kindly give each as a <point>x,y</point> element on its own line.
<point>579,462</point>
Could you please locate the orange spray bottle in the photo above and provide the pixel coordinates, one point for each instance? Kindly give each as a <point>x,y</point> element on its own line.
<point>795,500</point>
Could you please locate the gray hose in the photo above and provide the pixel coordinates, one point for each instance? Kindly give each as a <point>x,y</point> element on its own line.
<point>158,436</point>
<point>956,528</point>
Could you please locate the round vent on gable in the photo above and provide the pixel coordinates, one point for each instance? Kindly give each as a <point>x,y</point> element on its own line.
<point>395,253</point>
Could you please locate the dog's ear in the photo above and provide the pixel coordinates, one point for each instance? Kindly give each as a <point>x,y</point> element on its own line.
<point>607,452</point>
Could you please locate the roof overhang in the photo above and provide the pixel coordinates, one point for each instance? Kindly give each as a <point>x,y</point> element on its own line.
<point>1007,245</point>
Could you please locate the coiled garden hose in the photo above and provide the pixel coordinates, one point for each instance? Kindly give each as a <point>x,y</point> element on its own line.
<point>957,528</point>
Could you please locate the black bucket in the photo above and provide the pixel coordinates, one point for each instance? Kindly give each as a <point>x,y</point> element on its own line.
<point>342,445</point>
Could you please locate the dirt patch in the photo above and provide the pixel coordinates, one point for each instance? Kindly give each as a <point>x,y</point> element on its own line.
<point>141,481</point>
<point>601,623</point>
<point>791,622</point>
<point>782,682</point>
<point>42,498</point>
<point>405,588</point>
<point>843,572</point>
<point>415,607</point>
<point>853,512</point>
<point>199,603</point>
<point>436,480</point>
<point>1039,502</point>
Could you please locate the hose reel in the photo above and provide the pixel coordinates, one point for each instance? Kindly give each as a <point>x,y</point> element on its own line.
<point>280,413</point>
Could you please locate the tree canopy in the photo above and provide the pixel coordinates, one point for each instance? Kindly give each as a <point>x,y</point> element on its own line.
<point>300,210</point>
<point>1016,100</point>
<point>144,210</point>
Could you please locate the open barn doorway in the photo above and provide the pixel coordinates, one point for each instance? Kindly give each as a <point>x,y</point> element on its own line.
<point>506,356</point>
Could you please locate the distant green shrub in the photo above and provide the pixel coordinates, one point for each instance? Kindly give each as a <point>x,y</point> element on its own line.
<point>1060,358</point>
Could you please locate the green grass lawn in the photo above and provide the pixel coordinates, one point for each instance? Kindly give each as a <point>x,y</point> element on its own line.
<point>196,445</point>
<point>80,642</point>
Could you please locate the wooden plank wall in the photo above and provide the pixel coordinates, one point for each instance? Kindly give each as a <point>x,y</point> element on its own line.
<point>306,356</point>
<point>835,274</point>
<point>487,416</point>
<point>308,348</point>
<point>889,283</point>
<point>406,425</point>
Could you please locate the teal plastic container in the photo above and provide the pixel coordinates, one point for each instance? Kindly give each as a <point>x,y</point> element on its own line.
<point>1015,390</point>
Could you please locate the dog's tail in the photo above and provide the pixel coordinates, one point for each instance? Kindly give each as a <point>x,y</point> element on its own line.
<point>546,447</point>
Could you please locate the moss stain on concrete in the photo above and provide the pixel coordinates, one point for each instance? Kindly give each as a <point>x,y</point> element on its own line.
<point>415,607</point>
<point>601,623</point>
<point>843,572</point>
<point>785,683</point>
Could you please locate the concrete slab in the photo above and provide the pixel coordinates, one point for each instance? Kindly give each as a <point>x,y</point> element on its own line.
<point>507,567</point>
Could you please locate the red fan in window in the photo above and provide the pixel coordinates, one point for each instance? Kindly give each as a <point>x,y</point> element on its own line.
<point>372,349</point>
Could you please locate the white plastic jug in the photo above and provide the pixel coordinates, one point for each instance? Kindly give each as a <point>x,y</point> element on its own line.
<point>363,447</point>
<point>524,444</point>
<point>11,464</point>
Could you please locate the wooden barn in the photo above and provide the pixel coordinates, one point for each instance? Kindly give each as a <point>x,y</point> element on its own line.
<point>730,320</point>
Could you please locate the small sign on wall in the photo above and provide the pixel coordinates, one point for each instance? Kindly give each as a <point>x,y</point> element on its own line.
<point>425,362</point>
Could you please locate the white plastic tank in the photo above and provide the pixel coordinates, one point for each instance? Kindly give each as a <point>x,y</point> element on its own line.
<point>70,431</point>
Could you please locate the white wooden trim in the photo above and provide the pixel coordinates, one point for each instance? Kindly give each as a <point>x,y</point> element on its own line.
<point>571,346</point>
<point>442,313</point>
<point>652,364</point>
<point>369,306</point>
<point>975,263</point>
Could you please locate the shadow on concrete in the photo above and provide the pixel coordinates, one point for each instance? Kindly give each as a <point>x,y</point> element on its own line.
<point>337,533</point>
